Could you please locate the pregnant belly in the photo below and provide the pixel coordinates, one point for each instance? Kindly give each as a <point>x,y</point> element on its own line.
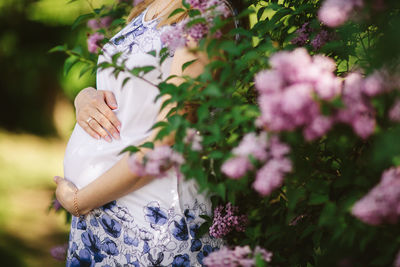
<point>87,158</point>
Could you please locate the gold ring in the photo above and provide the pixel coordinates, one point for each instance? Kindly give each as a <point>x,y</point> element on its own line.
<point>88,120</point>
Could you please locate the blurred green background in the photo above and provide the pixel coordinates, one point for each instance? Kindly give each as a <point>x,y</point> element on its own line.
<point>36,119</point>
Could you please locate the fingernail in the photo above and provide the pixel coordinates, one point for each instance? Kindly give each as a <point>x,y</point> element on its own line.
<point>119,127</point>
<point>97,137</point>
<point>108,139</point>
<point>116,136</point>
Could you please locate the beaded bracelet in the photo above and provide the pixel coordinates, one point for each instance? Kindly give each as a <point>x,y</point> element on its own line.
<point>76,203</point>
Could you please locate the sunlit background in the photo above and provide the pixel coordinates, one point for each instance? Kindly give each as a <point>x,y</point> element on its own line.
<point>36,119</point>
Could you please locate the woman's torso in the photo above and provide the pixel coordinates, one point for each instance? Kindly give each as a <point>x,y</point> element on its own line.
<point>157,224</point>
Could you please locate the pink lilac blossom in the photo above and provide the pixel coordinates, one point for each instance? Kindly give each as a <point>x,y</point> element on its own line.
<point>239,256</point>
<point>173,36</point>
<point>251,144</point>
<point>236,167</point>
<point>272,174</point>
<point>178,35</point>
<point>59,252</point>
<point>56,205</point>
<point>226,220</point>
<point>374,84</point>
<point>156,162</point>
<point>397,260</point>
<point>194,139</point>
<point>137,2</point>
<point>358,111</point>
<point>334,13</point>
<point>286,92</point>
<point>96,24</point>
<point>382,203</point>
<point>394,112</point>
<point>93,42</point>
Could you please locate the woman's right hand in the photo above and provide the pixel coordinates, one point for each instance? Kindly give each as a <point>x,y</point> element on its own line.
<point>94,113</point>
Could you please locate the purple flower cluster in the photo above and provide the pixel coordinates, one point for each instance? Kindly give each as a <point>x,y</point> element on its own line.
<point>272,174</point>
<point>382,203</point>
<point>226,220</point>
<point>239,256</point>
<point>334,13</point>
<point>93,42</point>
<point>96,24</point>
<point>286,92</point>
<point>321,39</point>
<point>304,35</point>
<point>251,144</point>
<point>394,112</point>
<point>271,152</point>
<point>194,139</point>
<point>156,162</point>
<point>178,35</point>
<point>59,252</point>
<point>359,112</point>
<point>56,205</point>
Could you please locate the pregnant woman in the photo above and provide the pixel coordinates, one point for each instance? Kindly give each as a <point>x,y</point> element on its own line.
<point>122,219</point>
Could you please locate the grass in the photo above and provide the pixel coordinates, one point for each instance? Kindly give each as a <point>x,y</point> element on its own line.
<point>27,165</point>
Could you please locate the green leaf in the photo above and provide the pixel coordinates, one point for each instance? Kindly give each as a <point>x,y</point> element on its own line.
<point>152,53</point>
<point>317,199</point>
<point>69,63</point>
<point>187,64</point>
<point>148,145</point>
<point>81,18</point>
<point>58,48</point>
<point>176,11</point>
<point>130,149</point>
<point>84,70</point>
<point>186,5</point>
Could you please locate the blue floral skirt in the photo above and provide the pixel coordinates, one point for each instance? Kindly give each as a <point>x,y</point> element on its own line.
<point>156,236</point>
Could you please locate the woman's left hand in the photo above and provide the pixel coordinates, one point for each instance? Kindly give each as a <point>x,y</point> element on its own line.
<point>65,193</point>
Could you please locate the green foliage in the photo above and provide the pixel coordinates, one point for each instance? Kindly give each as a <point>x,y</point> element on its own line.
<point>307,222</point>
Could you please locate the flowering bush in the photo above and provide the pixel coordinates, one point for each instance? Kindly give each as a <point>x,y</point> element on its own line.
<point>296,121</point>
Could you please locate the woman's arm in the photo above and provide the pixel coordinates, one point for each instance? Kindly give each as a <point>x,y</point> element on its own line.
<point>119,180</point>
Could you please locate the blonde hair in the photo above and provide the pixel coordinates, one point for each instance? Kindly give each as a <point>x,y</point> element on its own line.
<point>165,19</point>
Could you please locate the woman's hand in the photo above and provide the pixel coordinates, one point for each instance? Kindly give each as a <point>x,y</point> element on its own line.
<point>94,113</point>
<point>65,194</point>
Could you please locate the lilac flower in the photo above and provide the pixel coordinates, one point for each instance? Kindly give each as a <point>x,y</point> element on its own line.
<point>93,42</point>
<point>397,261</point>
<point>236,167</point>
<point>227,220</point>
<point>381,204</point>
<point>320,39</point>
<point>156,162</point>
<point>358,112</point>
<point>334,13</point>
<point>137,2</point>
<point>302,35</point>
<point>374,84</point>
<point>193,138</point>
<point>271,175</point>
<point>394,113</point>
<point>96,24</point>
<point>250,145</point>
<point>287,92</point>
<point>197,31</point>
<point>59,252</point>
<point>254,145</point>
<point>173,36</point>
<point>56,205</point>
<point>239,256</point>
<point>269,81</point>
